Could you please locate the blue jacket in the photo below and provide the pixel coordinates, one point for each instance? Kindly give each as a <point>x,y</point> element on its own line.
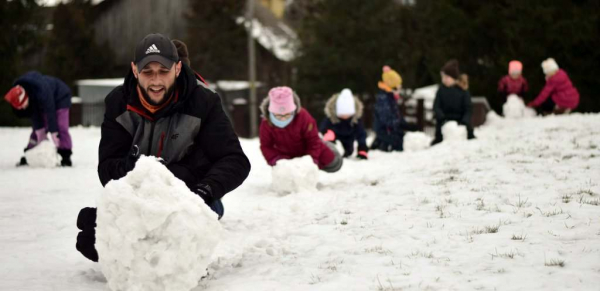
<point>387,116</point>
<point>346,131</point>
<point>46,95</point>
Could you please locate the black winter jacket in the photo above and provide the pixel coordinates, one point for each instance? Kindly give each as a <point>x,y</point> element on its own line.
<point>452,103</point>
<point>193,136</point>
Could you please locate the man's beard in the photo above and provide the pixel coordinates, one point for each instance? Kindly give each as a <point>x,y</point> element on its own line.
<point>168,93</point>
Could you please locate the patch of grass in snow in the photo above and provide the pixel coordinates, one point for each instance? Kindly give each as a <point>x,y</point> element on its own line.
<point>520,203</point>
<point>387,287</point>
<point>417,253</point>
<point>480,205</point>
<point>550,213</point>
<point>554,263</point>
<point>566,198</point>
<point>492,228</point>
<point>379,250</point>
<point>520,237</point>
<point>445,181</point>
<point>508,255</point>
<point>314,279</point>
<point>586,191</point>
<point>344,222</point>
<point>440,209</point>
<point>331,265</point>
<point>595,202</point>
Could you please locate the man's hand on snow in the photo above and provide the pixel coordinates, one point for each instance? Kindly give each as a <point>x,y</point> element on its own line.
<point>132,157</point>
<point>204,191</point>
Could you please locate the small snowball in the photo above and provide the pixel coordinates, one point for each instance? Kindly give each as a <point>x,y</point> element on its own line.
<point>44,155</point>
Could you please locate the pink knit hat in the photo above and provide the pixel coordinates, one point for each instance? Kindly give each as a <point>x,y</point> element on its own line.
<point>281,100</point>
<point>515,66</point>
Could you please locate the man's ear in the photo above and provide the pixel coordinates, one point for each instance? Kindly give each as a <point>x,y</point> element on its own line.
<point>134,69</point>
<point>177,69</point>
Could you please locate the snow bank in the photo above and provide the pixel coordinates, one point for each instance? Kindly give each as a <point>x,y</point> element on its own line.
<point>416,141</point>
<point>452,131</point>
<point>43,156</point>
<point>492,118</point>
<point>515,108</point>
<point>290,176</point>
<point>153,233</point>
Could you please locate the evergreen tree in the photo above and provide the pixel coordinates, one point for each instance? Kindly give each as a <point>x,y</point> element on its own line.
<point>22,37</point>
<point>216,42</point>
<point>72,51</point>
<point>345,43</point>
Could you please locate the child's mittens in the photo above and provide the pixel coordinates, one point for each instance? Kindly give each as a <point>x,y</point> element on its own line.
<point>362,155</point>
<point>329,136</point>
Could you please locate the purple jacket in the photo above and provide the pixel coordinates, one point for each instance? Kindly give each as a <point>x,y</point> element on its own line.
<point>561,90</point>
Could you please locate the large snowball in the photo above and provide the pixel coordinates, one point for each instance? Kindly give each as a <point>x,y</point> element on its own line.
<point>515,108</point>
<point>416,141</point>
<point>152,232</point>
<point>452,131</point>
<point>295,175</point>
<point>44,155</point>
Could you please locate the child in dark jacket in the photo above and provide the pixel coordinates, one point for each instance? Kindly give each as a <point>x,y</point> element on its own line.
<point>288,131</point>
<point>343,122</point>
<point>388,123</point>
<point>46,100</point>
<point>513,83</point>
<point>451,102</point>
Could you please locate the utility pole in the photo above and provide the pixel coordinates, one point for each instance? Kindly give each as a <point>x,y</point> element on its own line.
<point>251,69</point>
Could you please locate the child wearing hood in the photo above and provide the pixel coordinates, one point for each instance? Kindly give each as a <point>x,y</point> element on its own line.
<point>452,102</point>
<point>559,96</point>
<point>288,131</point>
<point>343,122</point>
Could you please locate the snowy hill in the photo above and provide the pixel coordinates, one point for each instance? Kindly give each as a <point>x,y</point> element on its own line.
<point>516,209</point>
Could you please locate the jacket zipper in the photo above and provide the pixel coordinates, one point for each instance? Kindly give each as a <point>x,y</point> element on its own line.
<point>151,136</point>
<point>161,144</point>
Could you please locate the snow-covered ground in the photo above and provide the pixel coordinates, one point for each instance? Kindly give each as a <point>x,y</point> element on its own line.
<point>516,209</point>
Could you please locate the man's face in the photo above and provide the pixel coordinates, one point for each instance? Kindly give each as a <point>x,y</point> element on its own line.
<point>156,80</point>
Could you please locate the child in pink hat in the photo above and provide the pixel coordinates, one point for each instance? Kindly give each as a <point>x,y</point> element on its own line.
<point>288,131</point>
<point>513,83</point>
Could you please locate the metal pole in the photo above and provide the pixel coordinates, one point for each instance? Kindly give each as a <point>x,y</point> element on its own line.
<point>252,71</point>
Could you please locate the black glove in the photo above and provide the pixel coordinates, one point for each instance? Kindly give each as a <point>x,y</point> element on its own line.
<point>86,239</point>
<point>132,157</point>
<point>204,191</point>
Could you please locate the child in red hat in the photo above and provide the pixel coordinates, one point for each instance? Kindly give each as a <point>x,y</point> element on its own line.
<point>46,100</point>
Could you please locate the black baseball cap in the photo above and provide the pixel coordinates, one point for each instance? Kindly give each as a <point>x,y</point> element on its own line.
<point>155,47</point>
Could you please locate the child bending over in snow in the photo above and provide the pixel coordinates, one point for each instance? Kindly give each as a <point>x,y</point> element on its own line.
<point>288,131</point>
<point>343,122</point>
<point>513,83</point>
<point>452,102</point>
<point>559,96</point>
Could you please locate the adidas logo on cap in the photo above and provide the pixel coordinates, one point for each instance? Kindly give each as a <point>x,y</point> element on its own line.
<point>152,49</point>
